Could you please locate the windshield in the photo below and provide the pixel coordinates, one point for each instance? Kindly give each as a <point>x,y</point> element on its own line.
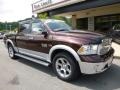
<point>58,26</point>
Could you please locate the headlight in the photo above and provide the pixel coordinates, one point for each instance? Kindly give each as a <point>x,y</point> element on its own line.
<point>88,50</point>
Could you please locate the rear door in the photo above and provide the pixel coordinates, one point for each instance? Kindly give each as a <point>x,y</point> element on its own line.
<point>22,37</point>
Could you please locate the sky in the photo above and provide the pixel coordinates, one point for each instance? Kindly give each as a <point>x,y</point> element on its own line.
<point>14,10</point>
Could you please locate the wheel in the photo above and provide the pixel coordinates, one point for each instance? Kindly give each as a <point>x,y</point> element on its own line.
<point>11,52</point>
<point>65,67</point>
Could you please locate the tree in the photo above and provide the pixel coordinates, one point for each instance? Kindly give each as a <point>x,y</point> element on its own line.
<point>45,16</point>
<point>4,26</point>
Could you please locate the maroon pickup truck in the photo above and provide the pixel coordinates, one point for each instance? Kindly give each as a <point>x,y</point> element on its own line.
<point>53,42</point>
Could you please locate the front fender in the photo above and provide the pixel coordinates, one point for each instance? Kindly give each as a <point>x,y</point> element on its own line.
<point>67,48</point>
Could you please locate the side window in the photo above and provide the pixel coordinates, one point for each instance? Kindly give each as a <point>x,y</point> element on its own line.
<point>37,27</point>
<point>24,28</point>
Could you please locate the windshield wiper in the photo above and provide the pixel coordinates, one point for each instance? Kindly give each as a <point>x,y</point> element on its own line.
<point>60,29</point>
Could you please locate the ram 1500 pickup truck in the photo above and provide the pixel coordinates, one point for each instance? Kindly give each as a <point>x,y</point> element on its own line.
<point>53,42</point>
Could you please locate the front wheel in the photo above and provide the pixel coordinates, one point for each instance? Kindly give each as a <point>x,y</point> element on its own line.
<point>65,67</point>
<point>11,51</point>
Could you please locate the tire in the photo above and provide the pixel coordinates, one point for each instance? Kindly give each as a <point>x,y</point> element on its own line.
<point>65,67</point>
<point>11,52</point>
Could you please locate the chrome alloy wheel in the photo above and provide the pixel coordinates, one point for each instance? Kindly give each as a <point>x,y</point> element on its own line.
<point>11,52</point>
<point>63,67</point>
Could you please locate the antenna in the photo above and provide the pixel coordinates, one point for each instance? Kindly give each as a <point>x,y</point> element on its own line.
<point>33,17</point>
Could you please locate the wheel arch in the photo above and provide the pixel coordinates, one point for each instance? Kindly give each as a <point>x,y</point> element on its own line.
<point>8,41</point>
<point>61,48</point>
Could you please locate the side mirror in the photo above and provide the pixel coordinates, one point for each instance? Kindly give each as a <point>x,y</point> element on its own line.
<point>45,33</point>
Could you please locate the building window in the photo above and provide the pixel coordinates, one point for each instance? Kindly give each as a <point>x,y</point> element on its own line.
<point>82,23</point>
<point>105,23</point>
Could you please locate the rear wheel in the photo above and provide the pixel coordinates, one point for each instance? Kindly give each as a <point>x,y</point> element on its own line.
<point>65,67</point>
<point>11,52</point>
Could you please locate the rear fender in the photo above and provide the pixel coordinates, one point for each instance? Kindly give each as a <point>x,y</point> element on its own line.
<point>11,42</point>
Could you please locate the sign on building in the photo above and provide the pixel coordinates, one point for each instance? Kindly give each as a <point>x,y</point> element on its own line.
<point>44,5</point>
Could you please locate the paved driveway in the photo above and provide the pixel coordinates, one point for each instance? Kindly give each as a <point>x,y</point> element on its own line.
<point>117,49</point>
<point>21,74</point>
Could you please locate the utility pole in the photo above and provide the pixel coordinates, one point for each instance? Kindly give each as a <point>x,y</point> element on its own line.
<point>10,27</point>
<point>6,25</point>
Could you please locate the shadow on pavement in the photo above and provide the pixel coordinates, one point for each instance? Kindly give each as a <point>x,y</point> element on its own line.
<point>39,67</point>
<point>108,80</point>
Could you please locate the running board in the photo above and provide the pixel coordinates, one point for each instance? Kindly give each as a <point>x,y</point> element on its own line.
<point>33,59</point>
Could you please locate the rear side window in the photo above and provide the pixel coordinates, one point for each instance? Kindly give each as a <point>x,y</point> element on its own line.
<point>25,28</point>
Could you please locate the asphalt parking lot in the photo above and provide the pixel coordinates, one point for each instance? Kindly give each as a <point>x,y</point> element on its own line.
<point>21,74</point>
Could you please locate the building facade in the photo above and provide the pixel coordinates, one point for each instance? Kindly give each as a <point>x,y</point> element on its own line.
<point>93,15</point>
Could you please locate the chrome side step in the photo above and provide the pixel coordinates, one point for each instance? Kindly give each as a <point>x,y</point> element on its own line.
<point>33,59</point>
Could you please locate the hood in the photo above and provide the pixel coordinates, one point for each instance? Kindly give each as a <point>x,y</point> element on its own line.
<point>85,34</point>
<point>82,37</point>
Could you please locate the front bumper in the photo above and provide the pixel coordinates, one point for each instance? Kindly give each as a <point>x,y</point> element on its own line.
<point>94,68</point>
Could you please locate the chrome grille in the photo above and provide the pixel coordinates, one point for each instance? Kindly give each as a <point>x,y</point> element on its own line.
<point>106,42</point>
<point>105,46</point>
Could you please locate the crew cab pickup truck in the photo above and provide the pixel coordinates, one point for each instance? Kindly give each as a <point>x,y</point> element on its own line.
<point>53,42</point>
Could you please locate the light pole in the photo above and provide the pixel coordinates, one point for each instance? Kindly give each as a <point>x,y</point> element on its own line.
<point>10,27</point>
<point>6,25</point>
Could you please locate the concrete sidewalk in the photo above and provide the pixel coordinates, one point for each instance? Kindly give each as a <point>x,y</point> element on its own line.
<point>117,49</point>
